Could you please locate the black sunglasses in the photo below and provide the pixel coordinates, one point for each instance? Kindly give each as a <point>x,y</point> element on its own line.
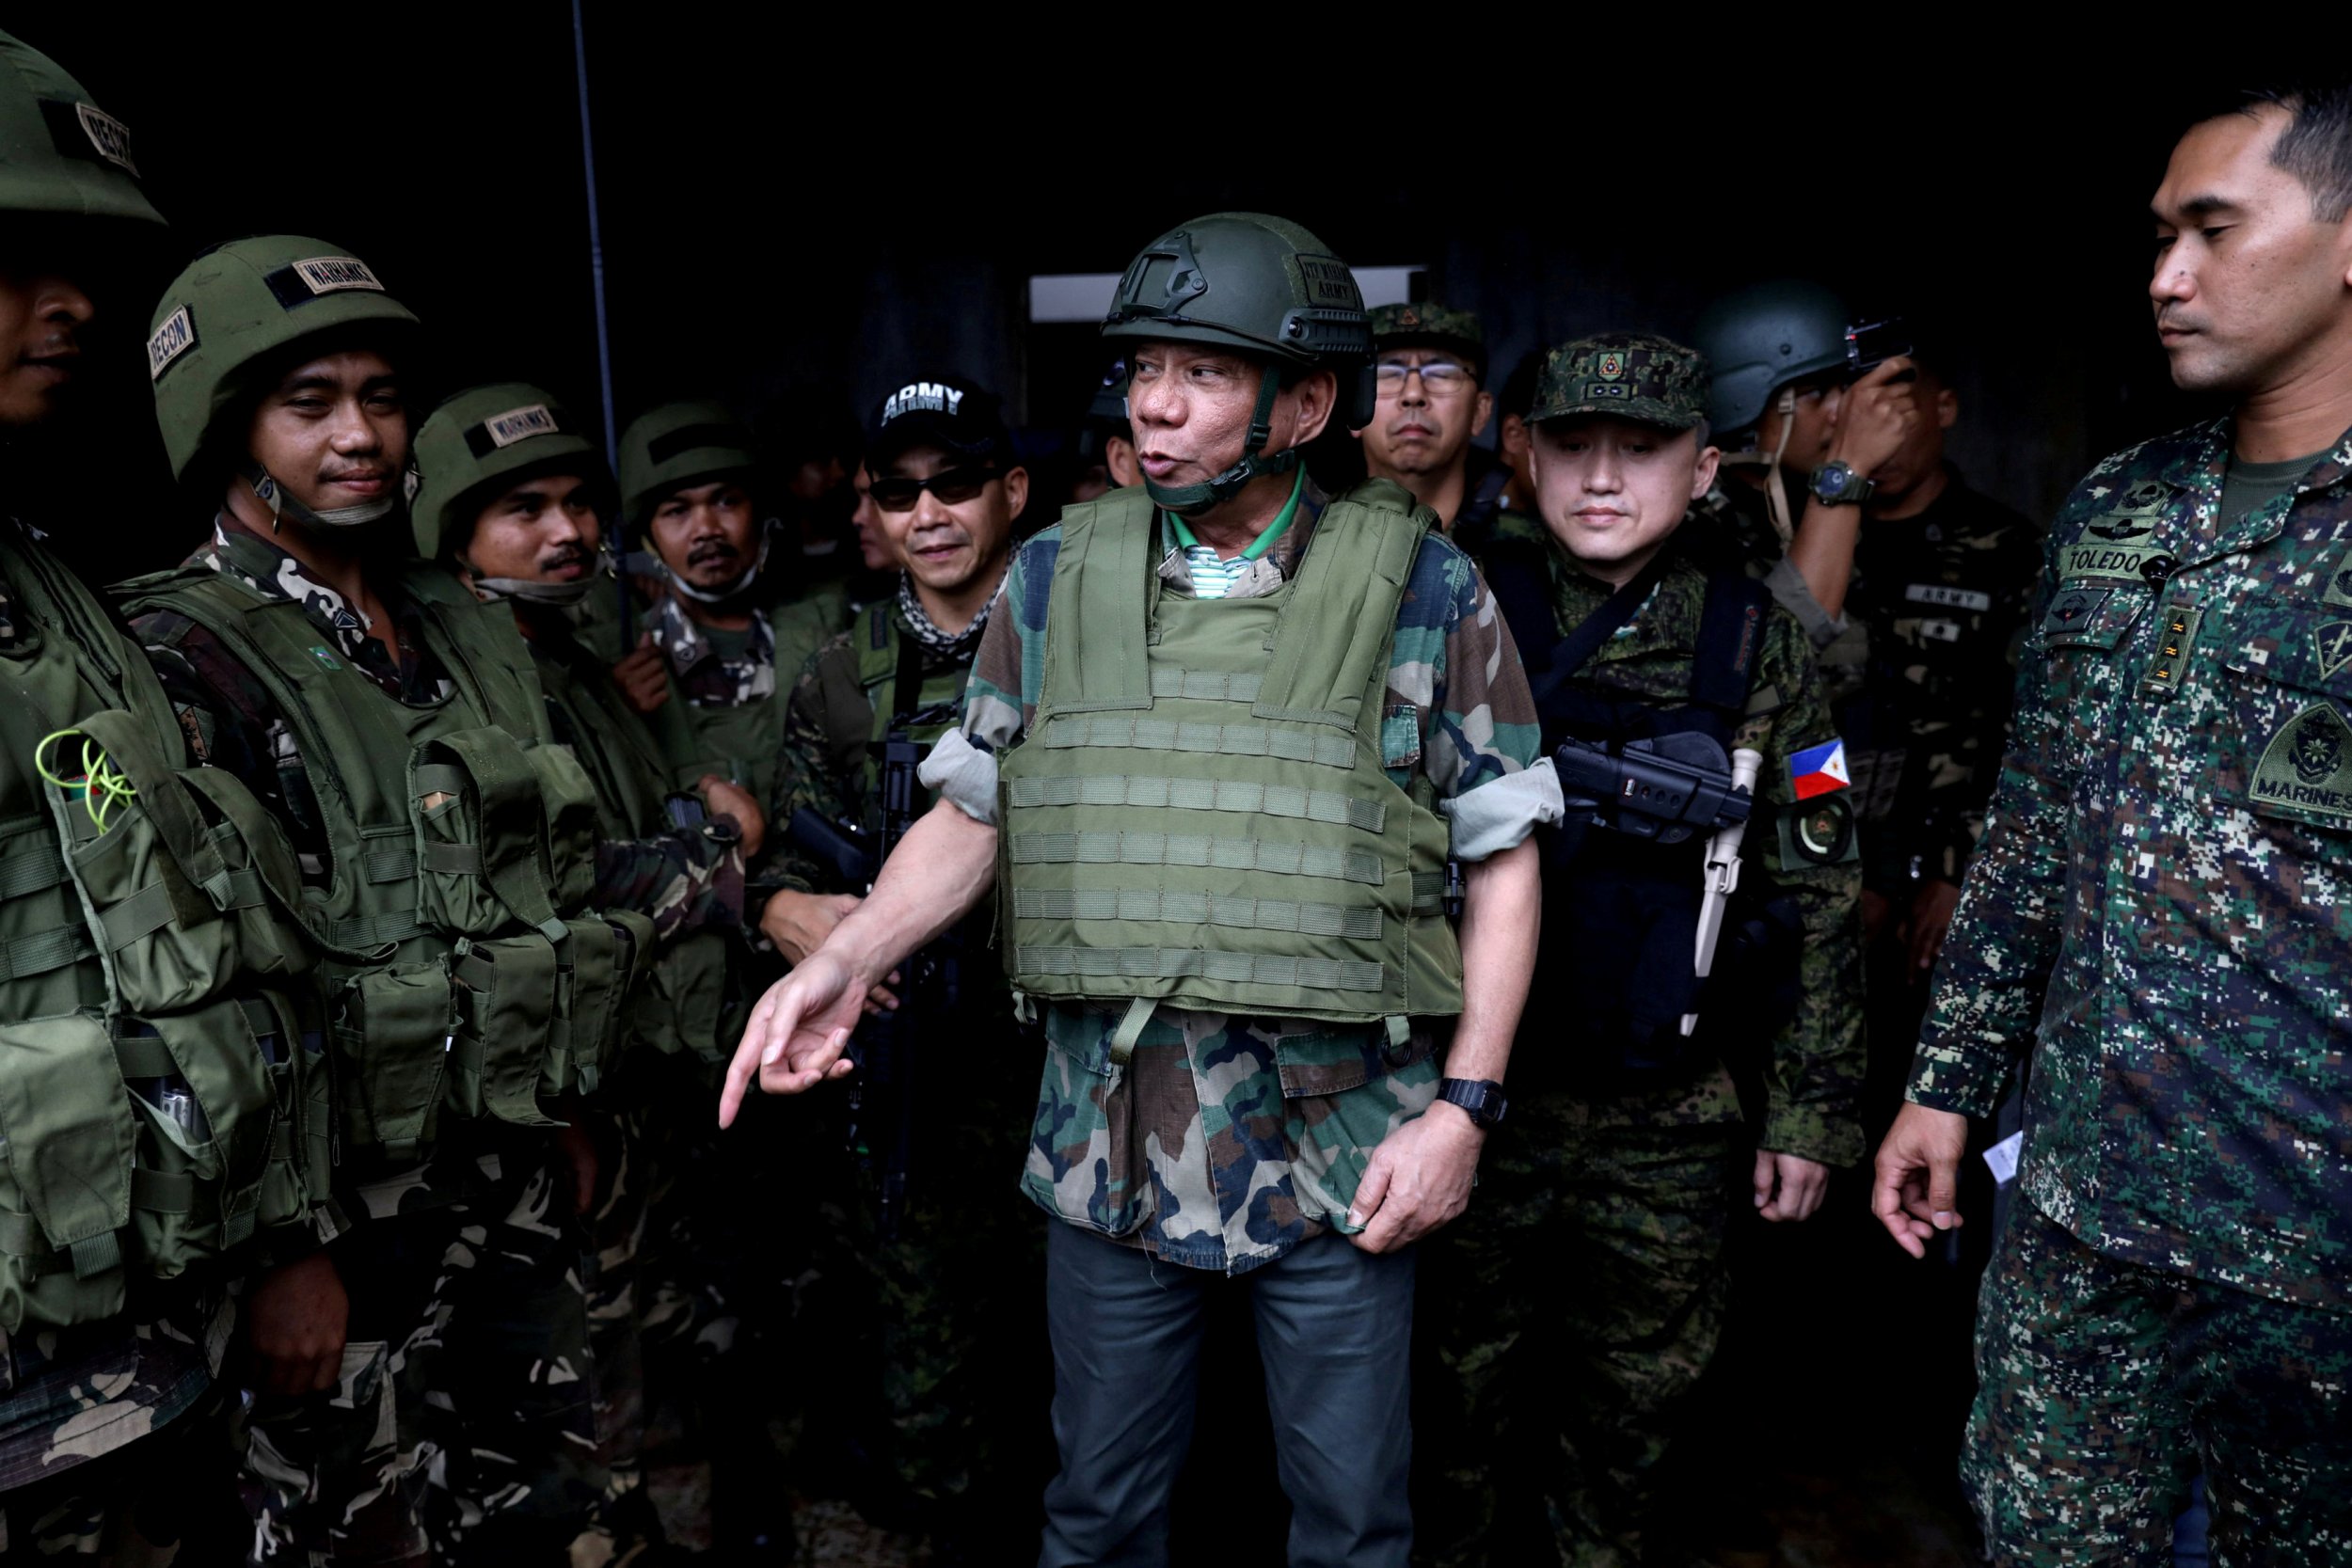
<point>953,486</point>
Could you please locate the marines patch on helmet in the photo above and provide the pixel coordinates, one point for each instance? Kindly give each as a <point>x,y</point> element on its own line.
<point>2305,769</point>
<point>170,341</point>
<point>519,424</point>
<point>109,135</point>
<point>325,274</point>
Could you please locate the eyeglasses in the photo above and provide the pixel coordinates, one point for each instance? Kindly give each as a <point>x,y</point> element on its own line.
<point>953,486</point>
<point>1438,377</point>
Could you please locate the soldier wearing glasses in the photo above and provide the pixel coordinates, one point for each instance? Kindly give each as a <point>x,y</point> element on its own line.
<point>1430,363</point>
<point>947,1426</point>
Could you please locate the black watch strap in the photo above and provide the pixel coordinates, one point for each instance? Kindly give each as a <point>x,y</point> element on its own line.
<point>1482,1098</point>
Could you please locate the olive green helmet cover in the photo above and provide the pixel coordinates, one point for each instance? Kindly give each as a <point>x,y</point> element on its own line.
<point>676,445</point>
<point>1265,286</point>
<point>60,153</point>
<point>485,438</point>
<point>1761,339</point>
<point>234,313</point>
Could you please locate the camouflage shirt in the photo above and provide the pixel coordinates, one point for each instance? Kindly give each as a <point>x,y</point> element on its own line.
<point>717,668</point>
<point>1194,1152</point>
<point>2162,901</point>
<point>1735,518</point>
<point>1942,598</point>
<point>1813,1072</point>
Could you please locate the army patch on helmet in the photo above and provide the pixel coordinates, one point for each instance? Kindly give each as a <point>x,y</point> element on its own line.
<point>2306,770</point>
<point>325,274</point>
<point>109,135</point>
<point>170,341</point>
<point>519,424</point>
<point>1818,832</point>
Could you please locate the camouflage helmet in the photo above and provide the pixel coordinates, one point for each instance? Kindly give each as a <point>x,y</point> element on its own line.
<point>1761,339</point>
<point>1431,326</point>
<point>1627,375</point>
<point>676,445</point>
<point>59,154</point>
<point>1268,287</point>
<point>486,436</point>
<point>235,311</point>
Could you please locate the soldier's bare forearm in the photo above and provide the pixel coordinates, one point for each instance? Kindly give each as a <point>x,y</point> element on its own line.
<point>943,867</point>
<point>1502,914</point>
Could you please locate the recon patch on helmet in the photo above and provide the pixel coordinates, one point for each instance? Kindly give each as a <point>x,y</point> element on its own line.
<point>2305,769</point>
<point>519,424</point>
<point>109,135</point>
<point>170,341</point>
<point>325,274</point>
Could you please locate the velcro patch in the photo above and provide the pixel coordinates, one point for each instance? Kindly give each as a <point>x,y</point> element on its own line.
<point>2338,589</point>
<point>519,424</point>
<point>2073,609</point>
<point>170,341</point>
<point>2112,563</point>
<point>325,274</point>
<point>1948,597</point>
<point>2173,647</point>
<point>109,135</point>
<point>1818,832</point>
<point>2331,642</point>
<point>2306,770</point>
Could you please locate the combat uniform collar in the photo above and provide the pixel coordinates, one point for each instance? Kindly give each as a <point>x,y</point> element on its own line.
<point>267,569</point>
<point>943,647</point>
<point>1271,570</point>
<point>687,648</point>
<point>1666,623</point>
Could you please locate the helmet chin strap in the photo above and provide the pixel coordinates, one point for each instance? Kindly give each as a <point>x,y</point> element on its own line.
<point>1192,500</point>
<point>282,504</point>
<point>1775,493</point>
<point>740,585</point>
<point>559,595</point>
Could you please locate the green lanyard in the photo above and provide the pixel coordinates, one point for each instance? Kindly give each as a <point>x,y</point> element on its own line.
<point>1261,544</point>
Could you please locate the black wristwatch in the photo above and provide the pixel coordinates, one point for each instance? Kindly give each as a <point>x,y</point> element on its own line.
<point>1482,1098</point>
<point>1836,484</point>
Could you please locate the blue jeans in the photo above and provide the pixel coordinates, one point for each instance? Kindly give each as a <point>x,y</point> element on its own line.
<point>1334,1327</point>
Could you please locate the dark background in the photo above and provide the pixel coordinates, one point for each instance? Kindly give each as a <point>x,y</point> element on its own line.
<point>800,218</point>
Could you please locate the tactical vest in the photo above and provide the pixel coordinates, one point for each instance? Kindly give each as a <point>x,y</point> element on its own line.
<point>743,741</point>
<point>634,762</point>
<point>466,970</point>
<point>1621,912</point>
<point>163,1085</point>
<point>1198,814</point>
<point>890,672</point>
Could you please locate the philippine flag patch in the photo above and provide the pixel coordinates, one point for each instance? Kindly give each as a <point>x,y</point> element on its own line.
<point>1818,770</point>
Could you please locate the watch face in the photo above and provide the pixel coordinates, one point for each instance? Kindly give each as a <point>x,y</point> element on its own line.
<point>1832,480</point>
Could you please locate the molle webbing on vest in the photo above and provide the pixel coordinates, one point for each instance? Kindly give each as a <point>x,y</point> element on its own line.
<point>1199,815</point>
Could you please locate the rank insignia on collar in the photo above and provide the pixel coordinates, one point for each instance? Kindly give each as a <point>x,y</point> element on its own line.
<point>2331,642</point>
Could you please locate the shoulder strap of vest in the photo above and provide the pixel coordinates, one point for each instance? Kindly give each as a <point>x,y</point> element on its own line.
<point>1333,635</point>
<point>1731,628</point>
<point>876,643</point>
<point>483,652</point>
<point>1099,610</point>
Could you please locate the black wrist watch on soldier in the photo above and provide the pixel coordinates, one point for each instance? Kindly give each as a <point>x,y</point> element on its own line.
<point>1482,1098</point>
<point>1836,484</point>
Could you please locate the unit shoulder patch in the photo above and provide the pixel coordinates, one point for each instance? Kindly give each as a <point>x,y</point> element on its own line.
<point>169,342</point>
<point>2331,645</point>
<point>2306,770</point>
<point>1818,832</point>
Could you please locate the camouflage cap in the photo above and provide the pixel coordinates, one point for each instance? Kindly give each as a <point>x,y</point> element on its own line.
<point>1433,325</point>
<point>1631,375</point>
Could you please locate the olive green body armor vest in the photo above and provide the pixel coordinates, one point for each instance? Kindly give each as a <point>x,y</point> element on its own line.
<point>634,762</point>
<point>936,702</point>
<point>464,966</point>
<point>1198,815</point>
<point>744,741</point>
<point>163,1085</point>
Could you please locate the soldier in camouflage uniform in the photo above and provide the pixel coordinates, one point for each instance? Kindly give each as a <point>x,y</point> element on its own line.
<point>421,1384</point>
<point>1617,1169</point>
<point>510,495</point>
<point>105,1425</point>
<point>2157,907</point>
<point>1430,364</point>
<point>1236,1082</point>
<point>957,1407</point>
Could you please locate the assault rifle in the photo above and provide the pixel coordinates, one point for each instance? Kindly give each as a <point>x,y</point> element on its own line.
<point>885,1044</point>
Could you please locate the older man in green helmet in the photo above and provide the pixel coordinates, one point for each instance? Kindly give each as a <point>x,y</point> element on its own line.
<point>1221,740</point>
<point>156,1087</point>
<point>417,1375</point>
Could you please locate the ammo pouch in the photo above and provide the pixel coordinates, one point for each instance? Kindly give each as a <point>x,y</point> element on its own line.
<point>149,1148</point>
<point>685,1001</point>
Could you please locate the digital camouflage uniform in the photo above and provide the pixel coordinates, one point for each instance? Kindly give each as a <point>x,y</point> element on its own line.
<point>2159,905</point>
<point>464,1420</point>
<point>960,1415</point>
<point>1573,1306</point>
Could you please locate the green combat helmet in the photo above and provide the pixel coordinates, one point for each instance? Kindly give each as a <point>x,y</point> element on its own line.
<point>225,322</point>
<point>60,153</point>
<point>674,446</point>
<point>482,440</point>
<point>1627,375</point>
<point>1262,285</point>
<point>1761,339</point>
<point>1428,326</point>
